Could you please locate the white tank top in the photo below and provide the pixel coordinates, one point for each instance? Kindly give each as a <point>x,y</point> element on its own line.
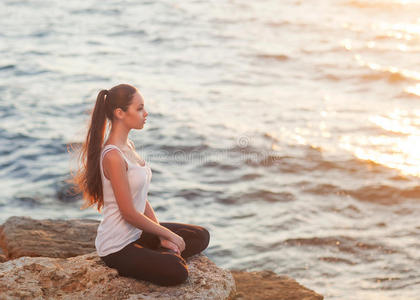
<point>114,233</point>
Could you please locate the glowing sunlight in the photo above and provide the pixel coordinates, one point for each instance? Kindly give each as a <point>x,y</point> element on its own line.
<point>397,147</point>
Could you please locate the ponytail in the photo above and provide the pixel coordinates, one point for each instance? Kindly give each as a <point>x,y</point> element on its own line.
<point>87,179</point>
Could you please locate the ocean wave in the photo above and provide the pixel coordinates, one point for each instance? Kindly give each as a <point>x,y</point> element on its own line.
<point>376,193</point>
<point>257,195</point>
<point>391,73</point>
<point>7,67</point>
<point>380,5</point>
<point>388,75</point>
<point>25,201</point>
<point>193,193</point>
<point>335,260</point>
<point>279,57</point>
<point>341,243</point>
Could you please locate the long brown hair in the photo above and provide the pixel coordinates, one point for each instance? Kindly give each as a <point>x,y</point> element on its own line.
<point>87,179</point>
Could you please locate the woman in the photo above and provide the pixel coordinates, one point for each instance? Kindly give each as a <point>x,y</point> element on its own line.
<point>113,176</point>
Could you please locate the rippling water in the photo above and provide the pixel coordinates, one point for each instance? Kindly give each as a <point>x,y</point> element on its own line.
<point>290,129</point>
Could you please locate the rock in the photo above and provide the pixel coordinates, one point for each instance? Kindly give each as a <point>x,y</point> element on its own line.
<point>24,236</point>
<point>71,269</point>
<point>267,285</point>
<point>2,255</point>
<point>87,277</point>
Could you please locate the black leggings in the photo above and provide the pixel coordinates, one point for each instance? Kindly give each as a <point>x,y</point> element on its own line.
<point>144,259</point>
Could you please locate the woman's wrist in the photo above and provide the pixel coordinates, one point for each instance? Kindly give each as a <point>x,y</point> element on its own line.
<point>167,235</point>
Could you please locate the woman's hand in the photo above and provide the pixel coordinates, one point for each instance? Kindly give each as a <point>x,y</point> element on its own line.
<point>168,244</point>
<point>177,240</point>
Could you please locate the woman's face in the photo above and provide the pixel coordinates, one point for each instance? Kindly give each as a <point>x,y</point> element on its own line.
<point>135,116</point>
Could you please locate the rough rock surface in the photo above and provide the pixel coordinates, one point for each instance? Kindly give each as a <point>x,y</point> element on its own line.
<point>87,277</point>
<point>24,236</point>
<point>267,285</point>
<point>55,277</point>
<point>2,256</point>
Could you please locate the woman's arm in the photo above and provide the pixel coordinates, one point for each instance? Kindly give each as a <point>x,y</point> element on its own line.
<point>149,212</point>
<point>115,167</point>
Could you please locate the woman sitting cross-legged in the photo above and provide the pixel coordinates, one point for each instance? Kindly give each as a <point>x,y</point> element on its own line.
<point>114,177</point>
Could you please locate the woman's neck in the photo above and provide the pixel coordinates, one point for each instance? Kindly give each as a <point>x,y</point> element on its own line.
<point>119,136</point>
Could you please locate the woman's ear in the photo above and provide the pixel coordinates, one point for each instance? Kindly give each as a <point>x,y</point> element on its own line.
<point>118,113</point>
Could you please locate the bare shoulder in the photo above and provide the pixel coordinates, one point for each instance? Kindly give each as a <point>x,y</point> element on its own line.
<point>113,162</point>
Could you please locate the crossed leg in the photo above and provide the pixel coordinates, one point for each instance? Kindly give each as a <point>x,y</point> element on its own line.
<point>143,259</point>
<point>196,238</point>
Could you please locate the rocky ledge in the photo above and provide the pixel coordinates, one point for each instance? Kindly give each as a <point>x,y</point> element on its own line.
<point>56,259</point>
